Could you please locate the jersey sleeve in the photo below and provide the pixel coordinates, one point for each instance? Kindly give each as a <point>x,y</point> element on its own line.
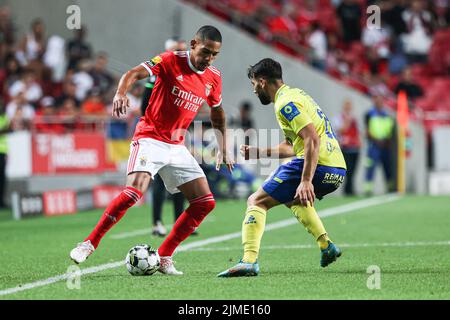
<point>155,66</point>
<point>294,117</point>
<point>215,95</point>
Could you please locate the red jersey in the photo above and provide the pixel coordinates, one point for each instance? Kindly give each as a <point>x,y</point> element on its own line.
<point>179,92</point>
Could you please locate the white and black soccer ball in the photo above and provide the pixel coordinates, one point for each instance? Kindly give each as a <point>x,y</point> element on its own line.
<point>142,260</point>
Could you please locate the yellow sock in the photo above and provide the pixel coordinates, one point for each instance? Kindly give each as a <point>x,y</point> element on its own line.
<point>252,232</point>
<point>311,221</point>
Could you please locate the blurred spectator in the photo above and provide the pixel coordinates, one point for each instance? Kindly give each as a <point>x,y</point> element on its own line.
<point>4,129</point>
<point>282,25</point>
<point>46,118</point>
<point>55,58</point>
<point>6,33</point>
<point>69,91</point>
<point>33,44</point>
<point>28,86</point>
<point>307,14</point>
<point>20,112</point>
<point>77,48</point>
<point>11,73</point>
<point>245,120</point>
<point>94,105</point>
<point>102,78</point>
<point>419,26</point>
<point>175,44</point>
<point>68,114</point>
<point>380,133</point>
<point>317,40</point>
<point>83,80</point>
<point>349,13</point>
<point>335,62</point>
<point>377,39</point>
<point>392,15</point>
<point>377,87</point>
<point>407,84</point>
<point>374,64</point>
<point>348,135</point>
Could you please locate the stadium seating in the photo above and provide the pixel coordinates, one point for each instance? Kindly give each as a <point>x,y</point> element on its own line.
<point>432,76</point>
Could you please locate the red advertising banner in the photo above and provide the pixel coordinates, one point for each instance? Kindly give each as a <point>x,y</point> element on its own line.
<point>69,153</point>
<point>59,202</point>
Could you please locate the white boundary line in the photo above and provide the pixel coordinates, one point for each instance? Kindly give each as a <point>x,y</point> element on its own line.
<point>341,245</point>
<point>196,244</point>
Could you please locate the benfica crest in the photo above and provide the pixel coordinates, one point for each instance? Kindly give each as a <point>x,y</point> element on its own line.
<point>208,89</point>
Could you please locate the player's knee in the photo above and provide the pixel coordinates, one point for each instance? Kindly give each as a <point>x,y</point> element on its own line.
<point>210,205</point>
<point>251,200</point>
<point>200,210</point>
<point>139,181</point>
<point>255,200</point>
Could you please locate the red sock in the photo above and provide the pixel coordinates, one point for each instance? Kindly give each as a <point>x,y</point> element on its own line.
<point>186,223</point>
<point>113,213</point>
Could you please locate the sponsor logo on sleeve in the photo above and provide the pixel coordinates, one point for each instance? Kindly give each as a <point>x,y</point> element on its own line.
<point>290,111</point>
<point>153,62</point>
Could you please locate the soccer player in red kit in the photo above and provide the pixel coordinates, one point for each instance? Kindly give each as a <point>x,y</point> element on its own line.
<point>185,80</point>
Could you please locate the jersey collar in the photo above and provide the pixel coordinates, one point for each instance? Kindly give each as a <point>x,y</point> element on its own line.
<point>279,91</point>
<point>192,66</point>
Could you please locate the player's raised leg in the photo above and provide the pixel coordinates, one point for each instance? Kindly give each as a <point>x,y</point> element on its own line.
<point>137,184</point>
<point>201,203</point>
<point>252,231</point>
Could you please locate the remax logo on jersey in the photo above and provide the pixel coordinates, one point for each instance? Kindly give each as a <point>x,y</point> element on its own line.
<point>187,100</point>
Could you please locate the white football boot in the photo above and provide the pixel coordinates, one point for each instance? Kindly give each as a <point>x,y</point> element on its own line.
<point>166,266</point>
<point>82,251</point>
<point>159,230</point>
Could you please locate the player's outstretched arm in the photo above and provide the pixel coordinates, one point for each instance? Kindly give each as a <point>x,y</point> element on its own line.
<point>218,122</point>
<point>311,142</point>
<point>120,101</point>
<point>281,151</point>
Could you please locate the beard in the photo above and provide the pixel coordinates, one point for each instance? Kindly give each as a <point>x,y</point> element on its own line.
<point>264,98</point>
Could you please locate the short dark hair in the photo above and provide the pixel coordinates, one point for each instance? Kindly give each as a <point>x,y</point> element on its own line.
<point>266,68</point>
<point>209,33</point>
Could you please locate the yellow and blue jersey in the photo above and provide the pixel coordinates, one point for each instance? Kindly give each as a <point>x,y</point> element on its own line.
<point>294,110</point>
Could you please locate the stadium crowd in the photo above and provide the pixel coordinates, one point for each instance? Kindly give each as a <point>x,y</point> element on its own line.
<point>409,52</point>
<point>50,84</point>
<point>53,85</point>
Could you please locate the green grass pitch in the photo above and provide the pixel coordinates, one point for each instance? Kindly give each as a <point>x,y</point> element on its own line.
<point>408,239</point>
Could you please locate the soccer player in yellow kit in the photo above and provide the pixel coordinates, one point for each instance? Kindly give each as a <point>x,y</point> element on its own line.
<point>317,169</point>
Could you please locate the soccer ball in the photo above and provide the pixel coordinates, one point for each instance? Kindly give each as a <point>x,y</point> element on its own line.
<point>142,260</point>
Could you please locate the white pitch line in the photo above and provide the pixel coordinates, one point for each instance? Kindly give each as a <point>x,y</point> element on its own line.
<point>196,244</point>
<point>131,234</point>
<point>341,245</point>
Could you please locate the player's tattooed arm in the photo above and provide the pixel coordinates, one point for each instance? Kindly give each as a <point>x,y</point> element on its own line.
<point>218,122</point>
<point>120,101</point>
<point>311,142</point>
<point>281,151</point>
